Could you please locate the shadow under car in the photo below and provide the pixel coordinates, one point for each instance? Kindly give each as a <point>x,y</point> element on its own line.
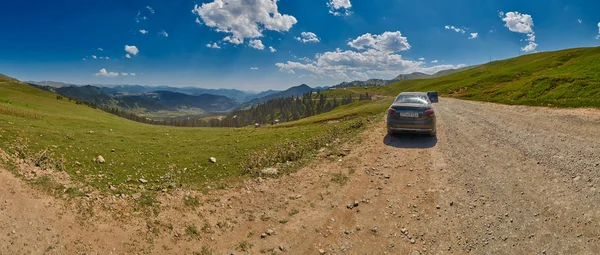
<point>410,141</point>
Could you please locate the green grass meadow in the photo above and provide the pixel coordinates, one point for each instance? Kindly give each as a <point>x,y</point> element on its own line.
<point>162,155</point>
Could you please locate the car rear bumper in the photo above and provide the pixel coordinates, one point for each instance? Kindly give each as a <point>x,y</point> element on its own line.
<point>411,130</point>
<point>421,128</point>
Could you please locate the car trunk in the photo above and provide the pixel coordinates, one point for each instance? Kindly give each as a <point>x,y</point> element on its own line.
<point>410,111</point>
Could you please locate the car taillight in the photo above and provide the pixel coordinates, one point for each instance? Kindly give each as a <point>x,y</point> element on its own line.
<point>429,113</point>
<point>391,111</point>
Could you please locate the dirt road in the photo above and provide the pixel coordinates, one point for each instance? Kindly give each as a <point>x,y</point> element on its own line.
<point>497,180</point>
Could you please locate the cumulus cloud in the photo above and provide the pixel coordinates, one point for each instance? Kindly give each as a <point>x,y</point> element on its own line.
<point>421,59</point>
<point>100,49</point>
<point>456,29</point>
<point>127,55</point>
<point>340,7</point>
<point>213,46</point>
<point>373,56</point>
<point>244,19</point>
<point>131,50</point>
<point>272,49</point>
<point>198,21</point>
<point>233,40</point>
<point>257,44</point>
<point>143,31</point>
<point>124,74</point>
<point>530,47</point>
<point>435,61</point>
<point>523,24</point>
<point>308,37</point>
<point>370,63</point>
<point>579,20</point>
<point>388,41</point>
<point>253,68</point>
<point>132,74</point>
<point>164,33</point>
<point>94,57</point>
<point>518,23</point>
<point>474,35</point>
<point>150,9</point>
<point>105,73</point>
<point>598,36</point>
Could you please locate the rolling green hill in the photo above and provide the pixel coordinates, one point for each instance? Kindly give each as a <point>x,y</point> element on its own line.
<point>56,133</point>
<point>566,78</point>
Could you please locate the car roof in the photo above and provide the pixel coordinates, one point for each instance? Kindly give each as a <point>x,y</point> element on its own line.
<point>413,94</point>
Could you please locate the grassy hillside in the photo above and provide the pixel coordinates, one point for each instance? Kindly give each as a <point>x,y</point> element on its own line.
<point>566,78</point>
<point>34,121</point>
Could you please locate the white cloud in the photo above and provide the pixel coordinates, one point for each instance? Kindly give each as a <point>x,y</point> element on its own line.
<point>105,73</point>
<point>530,47</point>
<point>375,57</point>
<point>131,50</point>
<point>127,55</point>
<point>435,61</point>
<point>521,23</point>
<point>100,49</point>
<point>388,41</point>
<point>257,44</point>
<point>198,21</point>
<point>164,33</point>
<point>244,19</point>
<point>421,59</point>
<point>143,31</point>
<point>94,57</point>
<point>340,7</point>
<point>598,36</point>
<point>272,49</point>
<point>518,23</point>
<point>579,20</point>
<point>474,35</point>
<point>456,29</point>
<point>132,74</point>
<point>124,74</point>
<point>213,46</point>
<point>104,57</point>
<point>150,9</point>
<point>370,63</point>
<point>233,40</point>
<point>84,59</point>
<point>308,37</point>
<point>253,68</point>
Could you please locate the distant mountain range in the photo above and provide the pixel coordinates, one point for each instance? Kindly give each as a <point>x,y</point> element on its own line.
<point>197,100</point>
<point>154,99</point>
<point>402,77</point>
<point>239,95</point>
<point>291,92</point>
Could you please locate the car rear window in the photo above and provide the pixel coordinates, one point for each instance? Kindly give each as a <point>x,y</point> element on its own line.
<point>411,100</point>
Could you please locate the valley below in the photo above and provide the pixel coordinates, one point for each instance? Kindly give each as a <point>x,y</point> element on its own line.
<point>498,179</point>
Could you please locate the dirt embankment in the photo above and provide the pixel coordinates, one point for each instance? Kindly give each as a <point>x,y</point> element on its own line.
<point>497,179</point>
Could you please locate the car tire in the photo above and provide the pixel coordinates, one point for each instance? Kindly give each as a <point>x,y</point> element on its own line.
<point>389,132</point>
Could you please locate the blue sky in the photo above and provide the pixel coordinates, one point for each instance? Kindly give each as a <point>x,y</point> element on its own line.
<point>317,42</point>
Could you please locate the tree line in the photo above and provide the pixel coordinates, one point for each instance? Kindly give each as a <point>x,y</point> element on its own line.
<point>271,112</point>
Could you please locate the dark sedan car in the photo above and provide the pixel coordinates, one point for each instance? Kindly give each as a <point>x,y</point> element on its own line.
<point>411,112</point>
